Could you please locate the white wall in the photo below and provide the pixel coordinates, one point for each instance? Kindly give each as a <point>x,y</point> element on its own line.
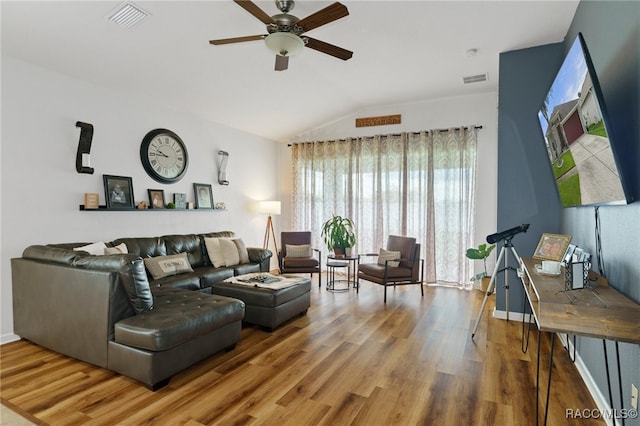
<point>478,109</point>
<point>41,190</point>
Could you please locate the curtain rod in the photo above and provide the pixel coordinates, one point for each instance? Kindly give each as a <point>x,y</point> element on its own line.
<point>398,134</point>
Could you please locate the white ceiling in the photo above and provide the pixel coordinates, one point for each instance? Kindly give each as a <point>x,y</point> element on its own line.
<point>404,51</point>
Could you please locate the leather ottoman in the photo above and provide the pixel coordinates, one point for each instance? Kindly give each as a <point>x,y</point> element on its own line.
<point>268,307</point>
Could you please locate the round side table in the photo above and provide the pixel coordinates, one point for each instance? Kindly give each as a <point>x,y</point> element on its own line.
<point>333,264</point>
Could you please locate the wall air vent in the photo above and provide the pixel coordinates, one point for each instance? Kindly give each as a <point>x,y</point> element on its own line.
<point>127,15</point>
<point>475,78</point>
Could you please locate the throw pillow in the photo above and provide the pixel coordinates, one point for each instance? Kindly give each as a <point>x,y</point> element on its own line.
<point>229,251</point>
<point>119,249</point>
<point>214,251</point>
<point>388,255</point>
<point>97,249</point>
<point>302,250</point>
<point>163,266</point>
<point>243,253</point>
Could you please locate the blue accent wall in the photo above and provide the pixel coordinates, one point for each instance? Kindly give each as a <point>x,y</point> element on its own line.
<point>527,194</point>
<point>526,190</point>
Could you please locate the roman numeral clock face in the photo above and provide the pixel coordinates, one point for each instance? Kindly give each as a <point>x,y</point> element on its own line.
<point>164,156</point>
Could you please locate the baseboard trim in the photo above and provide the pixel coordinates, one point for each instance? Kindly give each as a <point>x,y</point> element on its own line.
<point>8,338</point>
<point>515,316</point>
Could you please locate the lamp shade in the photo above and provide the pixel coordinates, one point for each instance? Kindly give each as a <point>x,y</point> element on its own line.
<point>269,207</point>
<point>285,44</point>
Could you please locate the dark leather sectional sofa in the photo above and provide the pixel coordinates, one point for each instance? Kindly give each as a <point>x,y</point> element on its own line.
<point>108,311</point>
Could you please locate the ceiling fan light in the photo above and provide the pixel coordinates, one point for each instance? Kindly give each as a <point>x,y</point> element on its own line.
<point>285,44</point>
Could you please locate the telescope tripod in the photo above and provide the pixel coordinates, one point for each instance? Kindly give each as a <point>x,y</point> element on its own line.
<point>507,246</point>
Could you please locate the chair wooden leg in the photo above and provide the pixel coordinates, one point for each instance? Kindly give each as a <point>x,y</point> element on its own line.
<point>421,290</point>
<point>385,293</point>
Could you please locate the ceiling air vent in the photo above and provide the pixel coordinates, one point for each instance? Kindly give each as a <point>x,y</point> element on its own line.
<point>475,78</point>
<point>127,15</point>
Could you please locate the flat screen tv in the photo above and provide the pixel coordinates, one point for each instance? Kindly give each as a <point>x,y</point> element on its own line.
<point>573,119</point>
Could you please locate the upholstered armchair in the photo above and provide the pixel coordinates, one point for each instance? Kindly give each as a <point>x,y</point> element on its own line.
<point>297,256</point>
<point>398,264</point>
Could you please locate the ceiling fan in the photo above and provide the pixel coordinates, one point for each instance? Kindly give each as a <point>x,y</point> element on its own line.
<point>285,31</point>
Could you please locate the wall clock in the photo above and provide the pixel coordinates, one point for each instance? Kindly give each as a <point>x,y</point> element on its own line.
<point>164,156</point>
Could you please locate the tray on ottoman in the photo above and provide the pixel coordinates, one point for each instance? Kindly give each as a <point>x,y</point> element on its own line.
<point>270,300</point>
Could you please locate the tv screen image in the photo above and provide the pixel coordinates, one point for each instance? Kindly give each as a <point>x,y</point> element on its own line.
<point>574,124</point>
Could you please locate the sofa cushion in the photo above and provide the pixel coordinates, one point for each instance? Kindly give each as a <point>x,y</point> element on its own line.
<point>143,247</point>
<point>133,276</point>
<point>179,316</point>
<point>211,274</point>
<point>189,244</point>
<point>187,280</point>
<point>164,266</point>
<point>246,268</point>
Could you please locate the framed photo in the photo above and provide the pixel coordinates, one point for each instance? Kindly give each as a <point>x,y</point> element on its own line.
<point>180,200</point>
<point>118,191</point>
<point>204,196</point>
<point>156,198</point>
<point>552,247</point>
<point>91,200</point>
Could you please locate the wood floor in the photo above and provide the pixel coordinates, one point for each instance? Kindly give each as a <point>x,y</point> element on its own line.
<point>350,360</point>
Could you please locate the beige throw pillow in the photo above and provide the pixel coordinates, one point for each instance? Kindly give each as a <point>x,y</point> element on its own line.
<point>119,249</point>
<point>97,249</point>
<point>163,266</point>
<point>214,251</point>
<point>243,253</point>
<point>229,251</point>
<point>388,255</point>
<point>301,250</point>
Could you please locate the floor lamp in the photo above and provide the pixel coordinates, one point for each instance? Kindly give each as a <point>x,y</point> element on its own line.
<point>270,208</point>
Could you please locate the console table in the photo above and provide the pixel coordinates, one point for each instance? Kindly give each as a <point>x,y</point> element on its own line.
<point>599,312</point>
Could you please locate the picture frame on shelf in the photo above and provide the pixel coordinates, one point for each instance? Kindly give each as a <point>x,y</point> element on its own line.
<point>156,198</point>
<point>203,195</point>
<point>91,200</point>
<point>180,200</point>
<point>552,247</point>
<point>118,192</point>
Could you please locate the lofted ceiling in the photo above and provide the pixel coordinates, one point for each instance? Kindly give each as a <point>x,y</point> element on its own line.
<point>404,51</point>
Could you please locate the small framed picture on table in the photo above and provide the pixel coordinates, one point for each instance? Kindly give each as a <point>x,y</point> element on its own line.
<point>552,247</point>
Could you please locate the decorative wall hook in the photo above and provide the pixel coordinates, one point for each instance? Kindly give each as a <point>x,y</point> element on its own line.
<point>83,158</point>
<point>222,168</point>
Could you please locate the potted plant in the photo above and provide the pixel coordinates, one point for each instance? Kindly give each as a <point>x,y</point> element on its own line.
<point>337,233</point>
<point>481,253</point>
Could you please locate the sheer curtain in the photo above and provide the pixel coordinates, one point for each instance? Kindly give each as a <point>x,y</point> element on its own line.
<point>413,184</point>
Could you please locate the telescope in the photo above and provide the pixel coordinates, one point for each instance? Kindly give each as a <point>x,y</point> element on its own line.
<point>508,234</point>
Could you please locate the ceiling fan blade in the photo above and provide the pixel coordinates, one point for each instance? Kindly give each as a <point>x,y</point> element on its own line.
<point>324,16</point>
<point>329,49</point>
<point>282,63</point>
<point>237,39</point>
<point>253,9</point>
